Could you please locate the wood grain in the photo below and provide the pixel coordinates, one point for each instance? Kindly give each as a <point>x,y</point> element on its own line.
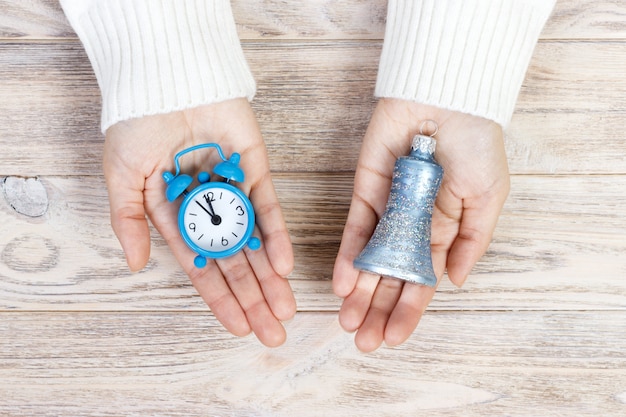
<point>320,19</point>
<point>539,328</point>
<point>33,19</point>
<point>559,245</point>
<point>185,364</point>
<point>569,108</point>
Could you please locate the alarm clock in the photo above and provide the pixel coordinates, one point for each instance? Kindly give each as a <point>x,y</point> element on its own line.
<point>215,219</point>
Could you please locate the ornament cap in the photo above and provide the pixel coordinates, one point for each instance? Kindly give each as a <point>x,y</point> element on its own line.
<point>424,144</point>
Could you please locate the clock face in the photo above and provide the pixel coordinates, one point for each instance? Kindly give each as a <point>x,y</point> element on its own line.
<point>216,219</point>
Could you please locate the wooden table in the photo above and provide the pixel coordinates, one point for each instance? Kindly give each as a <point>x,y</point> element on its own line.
<point>538,330</point>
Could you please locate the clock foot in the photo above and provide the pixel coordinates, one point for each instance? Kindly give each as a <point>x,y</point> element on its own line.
<point>199,261</point>
<point>254,243</point>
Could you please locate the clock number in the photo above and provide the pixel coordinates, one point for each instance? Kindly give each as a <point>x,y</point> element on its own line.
<point>240,211</point>
<point>192,227</point>
<point>209,197</point>
<point>224,241</point>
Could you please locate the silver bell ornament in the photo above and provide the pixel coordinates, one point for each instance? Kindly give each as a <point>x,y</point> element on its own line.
<point>400,245</point>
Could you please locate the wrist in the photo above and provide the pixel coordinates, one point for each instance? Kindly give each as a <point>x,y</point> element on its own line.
<point>467,56</point>
<point>411,114</point>
<point>157,58</point>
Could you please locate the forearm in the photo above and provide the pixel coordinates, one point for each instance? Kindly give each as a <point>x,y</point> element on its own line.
<point>154,57</point>
<point>469,56</point>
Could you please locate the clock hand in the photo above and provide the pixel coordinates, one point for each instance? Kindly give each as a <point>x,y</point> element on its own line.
<point>204,208</point>
<point>215,219</point>
<point>208,200</point>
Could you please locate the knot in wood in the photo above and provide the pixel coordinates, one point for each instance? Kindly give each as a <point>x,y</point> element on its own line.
<point>27,196</point>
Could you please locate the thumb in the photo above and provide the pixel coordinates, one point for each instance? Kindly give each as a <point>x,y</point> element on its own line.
<point>128,218</point>
<point>475,233</point>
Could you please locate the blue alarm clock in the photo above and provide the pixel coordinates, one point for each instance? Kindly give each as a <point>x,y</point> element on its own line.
<point>215,219</point>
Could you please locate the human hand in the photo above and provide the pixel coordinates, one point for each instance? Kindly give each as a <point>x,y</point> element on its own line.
<point>474,188</point>
<point>246,292</point>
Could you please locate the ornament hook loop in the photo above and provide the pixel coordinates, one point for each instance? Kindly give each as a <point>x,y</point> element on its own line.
<point>429,123</point>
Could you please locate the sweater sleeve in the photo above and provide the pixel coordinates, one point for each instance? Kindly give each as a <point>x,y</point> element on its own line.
<point>464,55</point>
<point>152,57</point>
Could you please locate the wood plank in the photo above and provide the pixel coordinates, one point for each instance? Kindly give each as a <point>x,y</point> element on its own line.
<point>317,19</point>
<point>184,364</point>
<point>568,77</point>
<point>551,142</point>
<point>559,245</point>
<point>539,329</point>
<point>321,19</point>
<point>314,103</point>
<point>40,19</point>
<point>586,19</point>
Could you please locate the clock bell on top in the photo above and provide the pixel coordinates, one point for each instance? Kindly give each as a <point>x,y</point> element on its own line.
<point>178,183</point>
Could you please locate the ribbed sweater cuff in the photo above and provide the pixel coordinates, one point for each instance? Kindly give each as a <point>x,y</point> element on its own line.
<point>463,55</point>
<point>154,57</point>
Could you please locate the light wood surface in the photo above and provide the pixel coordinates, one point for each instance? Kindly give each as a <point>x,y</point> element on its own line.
<point>538,330</point>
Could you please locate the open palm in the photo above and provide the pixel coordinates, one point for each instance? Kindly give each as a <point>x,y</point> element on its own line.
<point>246,292</point>
<point>473,191</point>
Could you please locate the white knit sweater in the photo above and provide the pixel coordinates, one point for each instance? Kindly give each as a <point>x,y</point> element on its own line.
<point>154,57</point>
<point>464,55</point>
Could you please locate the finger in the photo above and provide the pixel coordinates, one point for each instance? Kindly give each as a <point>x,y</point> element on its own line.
<point>269,216</point>
<point>128,217</point>
<point>271,223</point>
<point>276,289</point>
<point>229,288</point>
<point>212,287</point>
<point>244,285</point>
<point>445,227</point>
<point>407,313</point>
<point>371,333</point>
<point>209,281</point>
<point>354,307</point>
<point>357,231</point>
<point>474,236</point>
<point>372,183</point>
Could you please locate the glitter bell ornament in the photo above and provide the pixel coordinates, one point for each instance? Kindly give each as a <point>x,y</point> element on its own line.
<point>400,245</point>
